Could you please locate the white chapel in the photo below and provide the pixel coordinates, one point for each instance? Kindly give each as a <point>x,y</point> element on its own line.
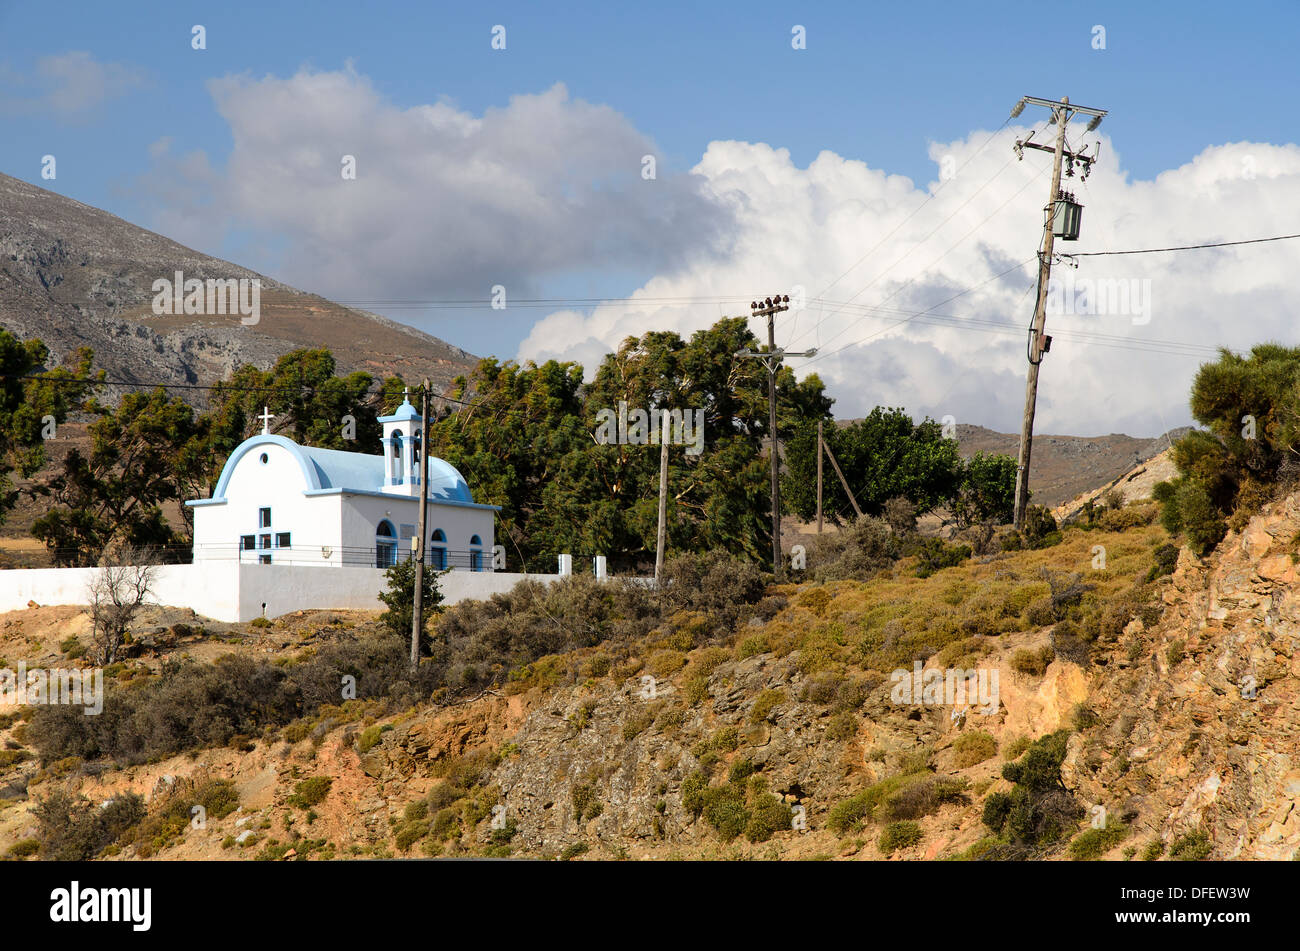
<point>281,503</point>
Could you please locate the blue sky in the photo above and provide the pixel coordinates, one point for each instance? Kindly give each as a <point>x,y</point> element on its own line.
<point>880,84</point>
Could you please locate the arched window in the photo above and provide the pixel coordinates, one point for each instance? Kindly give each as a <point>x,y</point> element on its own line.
<point>475,553</point>
<point>438,549</point>
<point>397,458</point>
<point>385,545</point>
<point>416,441</point>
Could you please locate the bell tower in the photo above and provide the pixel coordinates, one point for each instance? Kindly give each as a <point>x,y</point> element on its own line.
<point>403,449</point>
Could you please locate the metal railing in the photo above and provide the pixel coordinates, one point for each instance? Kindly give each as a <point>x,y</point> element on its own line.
<point>379,555</point>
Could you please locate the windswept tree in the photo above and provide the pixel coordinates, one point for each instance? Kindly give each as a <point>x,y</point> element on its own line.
<point>33,402</point>
<point>1249,407</point>
<point>115,496</point>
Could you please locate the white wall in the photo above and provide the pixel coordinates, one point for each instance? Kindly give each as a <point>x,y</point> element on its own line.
<point>227,591</point>
<point>210,589</point>
<point>278,484</point>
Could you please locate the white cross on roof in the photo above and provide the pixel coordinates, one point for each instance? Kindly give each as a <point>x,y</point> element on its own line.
<point>266,418</point>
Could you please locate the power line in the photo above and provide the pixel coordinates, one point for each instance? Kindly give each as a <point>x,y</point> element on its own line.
<point>1185,247</point>
<point>162,384</point>
<point>930,197</point>
<point>898,290</point>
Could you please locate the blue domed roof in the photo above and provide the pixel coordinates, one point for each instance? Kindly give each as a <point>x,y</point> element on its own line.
<point>325,469</point>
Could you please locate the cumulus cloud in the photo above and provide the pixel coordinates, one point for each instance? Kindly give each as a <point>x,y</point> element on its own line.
<point>445,204</point>
<point>69,85</point>
<point>931,319</point>
<point>917,293</point>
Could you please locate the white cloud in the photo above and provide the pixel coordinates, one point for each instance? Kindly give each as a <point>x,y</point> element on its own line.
<point>547,189</point>
<point>69,84</point>
<point>445,204</point>
<point>808,226</point>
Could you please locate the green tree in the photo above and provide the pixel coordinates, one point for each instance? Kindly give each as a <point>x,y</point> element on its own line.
<point>986,491</point>
<point>882,456</point>
<point>1248,408</point>
<point>529,443</point>
<point>399,596</point>
<point>313,405</point>
<point>33,401</point>
<point>115,495</point>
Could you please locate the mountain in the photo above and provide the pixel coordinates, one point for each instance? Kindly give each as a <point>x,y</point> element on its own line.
<point>1064,467</point>
<point>74,276</point>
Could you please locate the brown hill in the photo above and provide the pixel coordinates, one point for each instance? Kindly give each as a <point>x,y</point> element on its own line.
<point>1064,467</point>
<point>74,276</point>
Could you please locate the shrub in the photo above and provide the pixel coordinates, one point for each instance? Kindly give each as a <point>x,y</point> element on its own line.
<point>1083,717</point>
<point>972,748</point>
<point>1094,843</point>
<point>573,850</point>
<point>767,701</point>
<point>193,705</point>
<point>1154,849</point>
<point>1125,517</point>
<point>1038,810</point>
<point>369,737</point>
<point>899,835</point>
<point>1174,653</point>
<point>1165,560</point>
<point>1039,528</point>
<point>923,797</point>
<point>724,809</point>
<point>863,548</point>
<point>408,833</point>
<point>1191,847</point>
<point>24,848</point>
<point>1016,747</point>
<point>768,816</point>
<point>71,828</point>
<point>935,555</point>
<point>1032,662</point>
<point>310,792</point>
<point>900,515</point>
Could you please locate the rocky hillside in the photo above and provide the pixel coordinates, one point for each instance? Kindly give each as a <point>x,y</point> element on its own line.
<point>1200,717</point>
<point>1179,716</point>
<point>75,276</point>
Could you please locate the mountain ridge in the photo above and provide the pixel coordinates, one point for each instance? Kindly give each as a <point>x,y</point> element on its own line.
<point>74,275</point>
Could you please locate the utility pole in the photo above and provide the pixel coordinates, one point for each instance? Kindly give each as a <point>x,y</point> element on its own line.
<point>422,448</point>
<point>769,307</point>
<point>662,534</point>
<point>843,481</point>
<point>1061,218</point>
<point>819,477</point>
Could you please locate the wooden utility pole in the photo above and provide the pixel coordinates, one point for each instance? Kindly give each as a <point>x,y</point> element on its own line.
<point>662,534</point>
<point>819,477</point>
<point>422,448</point>
<point>1039,343</point>
<point>769,307</point>
<point>843,481</point>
